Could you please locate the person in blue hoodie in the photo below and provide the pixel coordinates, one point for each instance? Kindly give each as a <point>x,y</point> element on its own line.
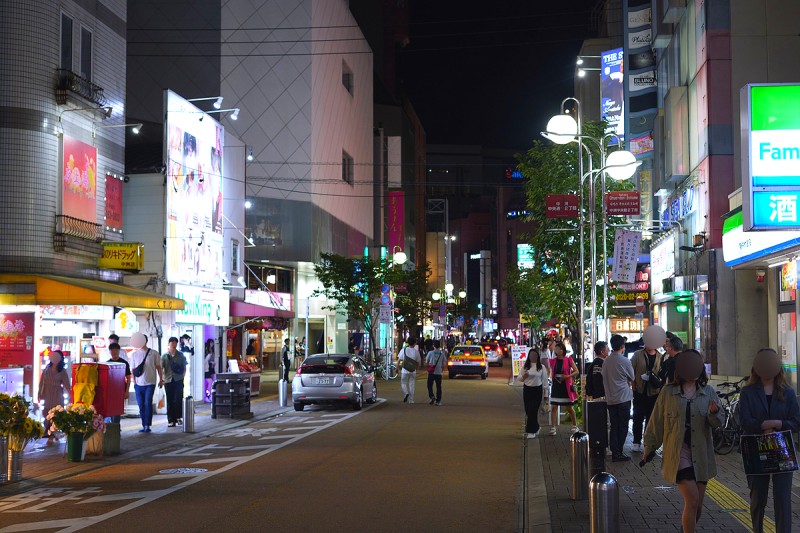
<point>768,404</point>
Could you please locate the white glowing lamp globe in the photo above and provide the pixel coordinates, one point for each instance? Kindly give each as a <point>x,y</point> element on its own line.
<point>400,258</point>
<point>449,288</point>
<point>436,296</point>
<point>561,129</point>
<point>621,165</point>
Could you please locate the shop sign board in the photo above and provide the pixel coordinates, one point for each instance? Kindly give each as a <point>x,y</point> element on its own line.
<point>396,221</point>
<point>662,263</point>
<point>739,246</point>
<point>113,215</point>
<point>193,152</point>
<point>525,256</point>
<point>629,325</point>
<point>770,156</point>
<point>16,339</point>
<point>623,203</point>
<point>79,180</point>
<point>562,206</point>
<point>269,299</point>
<point>76,312</point>
<point>627,245</point>
<point>122,256</point>
<point>125,323</point>
<point>203,306</point>
<point>612,92</point>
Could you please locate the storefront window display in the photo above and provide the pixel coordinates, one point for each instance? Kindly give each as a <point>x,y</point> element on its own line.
<point>787,345</point>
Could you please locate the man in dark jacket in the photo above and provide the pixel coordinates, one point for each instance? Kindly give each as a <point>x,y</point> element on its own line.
<point>594,377</point>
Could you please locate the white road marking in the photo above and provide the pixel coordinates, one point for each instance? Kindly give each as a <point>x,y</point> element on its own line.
<point>127,496</point>
<point>220,459</point>
<point>253,447</point>
<point>189,452</point>
<point>76,524</point>
<point>177,475</point>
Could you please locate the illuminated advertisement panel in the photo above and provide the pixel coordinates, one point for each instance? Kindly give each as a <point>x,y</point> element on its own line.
<point>114,203</point>
<point>612,92</point>
<point>79,180</point>
<point>193,154</point>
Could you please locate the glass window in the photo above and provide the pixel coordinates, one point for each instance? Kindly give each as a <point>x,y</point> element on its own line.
<point>86,54</point>
<point>347,168</point>
<point>347,77</point>
<point>234,256</point>
<point>66,42</point>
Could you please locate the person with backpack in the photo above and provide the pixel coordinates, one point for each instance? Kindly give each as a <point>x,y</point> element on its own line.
<point>409,360</point>
<point>594,376</point>
<point>173,365</point>
<point>436,361</point>
<point>646,366</point>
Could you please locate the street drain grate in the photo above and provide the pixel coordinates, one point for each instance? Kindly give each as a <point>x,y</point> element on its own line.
<point>183,471</point>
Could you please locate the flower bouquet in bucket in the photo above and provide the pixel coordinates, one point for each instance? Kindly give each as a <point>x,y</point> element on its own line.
<point>22,435</point>
<point>13,412</point>
<point>75,418</point>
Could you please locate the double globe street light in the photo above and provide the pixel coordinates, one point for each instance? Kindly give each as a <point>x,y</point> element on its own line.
<point>619,165</point>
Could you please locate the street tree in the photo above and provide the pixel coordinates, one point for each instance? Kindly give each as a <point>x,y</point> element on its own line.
<point>553,286</point>
<point>352,286</point>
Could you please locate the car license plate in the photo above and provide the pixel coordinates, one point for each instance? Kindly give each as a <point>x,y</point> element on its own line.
<point>323,381</point>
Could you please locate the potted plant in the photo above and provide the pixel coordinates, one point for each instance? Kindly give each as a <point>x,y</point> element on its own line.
<point>77,422</point>
<point>13,413</point>
<point>18,438</point>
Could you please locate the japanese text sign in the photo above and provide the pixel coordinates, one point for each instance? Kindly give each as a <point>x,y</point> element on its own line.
<point>562,206</point>
<point>626,255</point>
<point>623,203</point>
<point>79,180</point>
<point>770,156</point>
<point>16,339</point>
<point>113,203</point>
<point>122,256</point>
<point>396,222</point>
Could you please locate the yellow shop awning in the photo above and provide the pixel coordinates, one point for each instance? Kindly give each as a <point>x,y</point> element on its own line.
<point>26,289</point>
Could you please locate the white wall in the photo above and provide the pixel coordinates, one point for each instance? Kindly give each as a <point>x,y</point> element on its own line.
<point>233,172</point>
<point>144,217</point>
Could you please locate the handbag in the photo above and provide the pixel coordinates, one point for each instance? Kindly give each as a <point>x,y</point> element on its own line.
<point>432,368</point>
<point>139,370</point>
<point>409,364</point>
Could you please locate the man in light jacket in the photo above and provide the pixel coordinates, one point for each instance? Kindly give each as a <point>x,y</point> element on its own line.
<point>408,377</point>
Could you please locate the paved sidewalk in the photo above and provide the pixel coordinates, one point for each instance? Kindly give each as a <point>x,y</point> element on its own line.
<point>647,501</point>
<point>42,464</point>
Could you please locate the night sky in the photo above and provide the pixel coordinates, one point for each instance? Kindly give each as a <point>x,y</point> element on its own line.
<point>491,73</point>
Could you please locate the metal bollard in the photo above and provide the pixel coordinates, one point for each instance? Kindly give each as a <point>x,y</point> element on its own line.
<point>604,504</point>
<point>580,465</point>
<point>188,415</point>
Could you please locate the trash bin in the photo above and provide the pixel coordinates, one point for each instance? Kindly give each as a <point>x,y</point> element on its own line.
<point>188,415</point>
<point>111,439</point>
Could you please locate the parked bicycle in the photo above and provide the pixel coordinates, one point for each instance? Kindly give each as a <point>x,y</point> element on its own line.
<point>381,369</point>
<point>726,437</point>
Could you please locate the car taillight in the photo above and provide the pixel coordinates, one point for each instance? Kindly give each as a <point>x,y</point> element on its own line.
<point>450,363</point>
<point>299,371</point>
<point>483,363</point>
<point>347,370</point>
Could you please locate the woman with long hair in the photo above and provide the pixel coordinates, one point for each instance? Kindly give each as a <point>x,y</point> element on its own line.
<point>682,419</point>
<point>564,393</point>
<point>768,404</point>
<point>534,388</point>
<point>53,386</point>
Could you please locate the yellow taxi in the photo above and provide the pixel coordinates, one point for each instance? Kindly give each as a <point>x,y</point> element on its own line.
<point>468,360</point>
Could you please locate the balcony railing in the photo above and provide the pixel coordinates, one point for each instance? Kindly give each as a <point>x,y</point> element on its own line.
<point>69,82</point>
<point>81,229</point>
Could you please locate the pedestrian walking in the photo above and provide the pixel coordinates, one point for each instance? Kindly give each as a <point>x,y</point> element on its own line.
<point>767,404</point>
<point>53,386</point>
<point>436,361</point>
<point>173,365</point>
<point>114,350</point>
<point>409,360</point>
<point>564,393</point>
<point>681,421</point>
<point>147,372</point>
<point>287,363</point>
<point>646,366</point>
<point>535,390</point>
<point>209,361</point>
<point>617,373</point>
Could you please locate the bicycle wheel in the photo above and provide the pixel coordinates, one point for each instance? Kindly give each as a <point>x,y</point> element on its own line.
<point>717,436</point>
<point>392,371</point>
<point>729,435</point>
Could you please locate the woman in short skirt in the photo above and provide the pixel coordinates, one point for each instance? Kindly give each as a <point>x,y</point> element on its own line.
<point>562,373</point>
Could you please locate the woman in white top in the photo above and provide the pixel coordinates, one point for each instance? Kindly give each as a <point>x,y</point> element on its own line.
<point>535,387</point>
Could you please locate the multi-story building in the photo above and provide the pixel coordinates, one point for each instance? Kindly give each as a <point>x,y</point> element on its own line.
<point>300,76</point>
<point>62,89</point>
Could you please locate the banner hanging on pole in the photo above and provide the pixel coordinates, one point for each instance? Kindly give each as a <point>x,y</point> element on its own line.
<point>626,255</point>
<point>562,206</point>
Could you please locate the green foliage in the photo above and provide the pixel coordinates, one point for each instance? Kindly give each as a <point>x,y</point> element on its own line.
<point>552,288</point>
<point>352,285</point>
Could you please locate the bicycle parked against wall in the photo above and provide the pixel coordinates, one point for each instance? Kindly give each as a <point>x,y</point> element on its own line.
<point>381,367</point>
<point>726,437</point>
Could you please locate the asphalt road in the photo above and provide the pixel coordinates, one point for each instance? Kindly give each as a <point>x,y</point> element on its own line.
<point>390,467</point>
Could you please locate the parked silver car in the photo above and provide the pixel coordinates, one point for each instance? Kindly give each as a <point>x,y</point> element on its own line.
<point>334,378</point>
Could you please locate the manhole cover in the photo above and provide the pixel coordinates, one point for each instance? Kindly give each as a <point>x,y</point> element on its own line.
<point>183,470</point>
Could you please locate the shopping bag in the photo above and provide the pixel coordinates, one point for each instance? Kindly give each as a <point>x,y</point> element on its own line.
<point>83,393</point>
<point>160,400</point>
<point>771,453</point>
<point>86,374</point>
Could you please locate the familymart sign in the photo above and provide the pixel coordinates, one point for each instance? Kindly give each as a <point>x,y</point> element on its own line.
<point>771,156</point>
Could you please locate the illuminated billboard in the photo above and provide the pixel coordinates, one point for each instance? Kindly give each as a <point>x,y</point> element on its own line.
<point>193,155</point>
<point>612,92</point>
<point>79,180</point>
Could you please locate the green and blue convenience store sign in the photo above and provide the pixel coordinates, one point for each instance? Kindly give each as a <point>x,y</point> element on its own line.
<point>770,156</point>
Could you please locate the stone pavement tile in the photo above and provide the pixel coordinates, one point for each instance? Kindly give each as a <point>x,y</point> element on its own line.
<point>646,500</point>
